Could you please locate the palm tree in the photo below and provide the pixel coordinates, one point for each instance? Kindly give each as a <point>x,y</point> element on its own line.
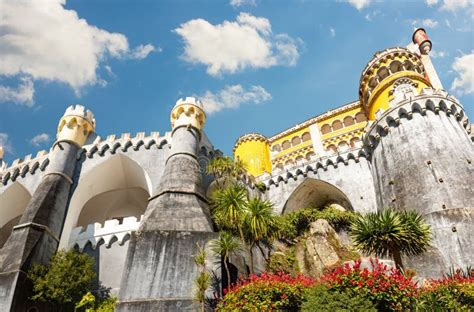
<point>392,233</point>
<point>224,246</point>
<point>259,225</point>
<point>224,169</point>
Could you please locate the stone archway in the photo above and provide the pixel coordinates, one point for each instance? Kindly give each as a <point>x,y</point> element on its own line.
<point>116,188</point>
<point>13,202</point>
<point>315,193</point>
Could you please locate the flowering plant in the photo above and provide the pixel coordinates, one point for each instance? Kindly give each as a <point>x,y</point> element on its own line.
<point>386,287</point>
<point>267,292</point>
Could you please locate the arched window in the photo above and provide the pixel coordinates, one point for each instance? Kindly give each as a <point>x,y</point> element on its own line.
<point>295,141</point>
<point>276,148</point>
<point>336,125</point>
<point>408,65</point>
<point>396,66</point>
<point>332,148</point>
<point>289,162</point>
<point>306,137</point>
<point>286,145</point>
<point>355,142</point>
<point>348,121</point>
<point>343,146</point>
<point>299,158</point>
<point>309,155</point>
<point>325,129</point>
<point>360,117</point>
<point>383,73</point>
<point>279,166</point>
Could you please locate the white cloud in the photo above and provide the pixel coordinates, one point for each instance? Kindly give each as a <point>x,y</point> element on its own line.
<point>371,15</point>
<point>237,3</point>
<point>39,139</point>
<point>236,45</point>
<point>232,97</point>
<point>332,32</point>
<point>359,4</point>
<point>454,5</point>
<point>23,94</point>
<point>464,67</point>
<point>438,54</point>
<point>142,51</point>
<point>5,143</point>
<point>44,40</point>
<point>426,23</point>
<point>431,2</point>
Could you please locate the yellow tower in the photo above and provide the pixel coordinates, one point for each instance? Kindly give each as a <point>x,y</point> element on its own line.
<point>76,125</point>
<point>386,74</point>
<point>253,150</point>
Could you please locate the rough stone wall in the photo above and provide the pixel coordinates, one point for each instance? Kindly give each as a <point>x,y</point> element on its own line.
<point>422,160</point>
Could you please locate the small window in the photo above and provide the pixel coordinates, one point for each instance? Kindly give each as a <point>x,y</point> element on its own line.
<point>360,117</point>
<point>336,125</point>
<point>306,137</point>
<point>310,155</point>
<point>348,121</point>
<point>295,141</point>
<point>326,129</point>
<point>286,145</point>
<point>276,148</point>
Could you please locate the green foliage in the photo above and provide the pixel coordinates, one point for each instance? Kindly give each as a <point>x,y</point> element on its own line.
<point>321,299</point>
<point>391,233</point>
<point>228,207</point>
<point>224,246</point>
<point>267,292</point>
<point>283,261</point>
<point>225,169</point>
<point>297,223</point>
<point>65,280</point>
<point>89,303</point>
<point>203,279</point>
<point>259,219</point>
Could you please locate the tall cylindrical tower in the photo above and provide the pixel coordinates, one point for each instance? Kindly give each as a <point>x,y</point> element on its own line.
<point>421,154</point>
<point>253,150</point>
<point>36,237</point>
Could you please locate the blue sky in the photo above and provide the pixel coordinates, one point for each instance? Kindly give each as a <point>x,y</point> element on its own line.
<point>259,66</point>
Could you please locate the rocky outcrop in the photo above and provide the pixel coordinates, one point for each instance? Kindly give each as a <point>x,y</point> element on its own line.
<point>321,250</point>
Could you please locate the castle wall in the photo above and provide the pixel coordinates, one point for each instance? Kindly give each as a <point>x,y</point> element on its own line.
<point>348,172</point>
<point>422,160</point>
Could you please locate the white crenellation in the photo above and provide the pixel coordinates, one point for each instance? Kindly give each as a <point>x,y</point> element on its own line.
<point>433,100</point>
<point>21,167</point>
<point>123,143</point>
<point>313,165</point>
<point>97,233</point>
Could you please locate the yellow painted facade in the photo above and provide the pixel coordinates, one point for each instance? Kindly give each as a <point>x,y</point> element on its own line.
<point>254,151</point>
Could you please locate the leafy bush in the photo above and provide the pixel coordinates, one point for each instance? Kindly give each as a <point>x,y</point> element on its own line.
<point>65,280</point>
<point>89,303</point>
<point>388,289</point>
<point>283,261</point>
<point>296,223</point>
<point>267,292</point>
<point>321,299</point>
<point>454,292</point>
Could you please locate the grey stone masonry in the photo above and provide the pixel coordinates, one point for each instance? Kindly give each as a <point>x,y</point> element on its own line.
<point>35,239</point>
<point>159,270</point>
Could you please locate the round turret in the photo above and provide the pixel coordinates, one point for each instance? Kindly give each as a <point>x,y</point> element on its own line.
<point>421,39</point>
<point>188,112</point>
<point>253,150</point>
<point>76,125</point>
<point>391,73</point>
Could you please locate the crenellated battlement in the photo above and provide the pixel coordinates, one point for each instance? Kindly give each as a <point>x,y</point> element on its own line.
<point>21,167</point>
<point>429,100</point>
<point>108,233</point>
<point>322,163</point>
<point>125,142</point>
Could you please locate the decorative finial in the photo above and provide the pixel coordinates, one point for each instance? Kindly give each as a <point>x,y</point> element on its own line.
<point>76,125</point>
<point>188,112</point>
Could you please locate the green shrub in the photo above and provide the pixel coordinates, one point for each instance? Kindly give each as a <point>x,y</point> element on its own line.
<point>321,299</point>
<point>283,261</point>
<point>267,292</point>
<point>65,280</point>
<point>296,223</point>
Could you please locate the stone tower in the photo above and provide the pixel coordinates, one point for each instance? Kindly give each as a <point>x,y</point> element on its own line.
<point>421,153</point>
<point>35,239</point>
<point>159,270</point>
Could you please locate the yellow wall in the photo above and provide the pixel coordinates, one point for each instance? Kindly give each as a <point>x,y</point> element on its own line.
<point>256,155</point>
<point>380,97</point>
